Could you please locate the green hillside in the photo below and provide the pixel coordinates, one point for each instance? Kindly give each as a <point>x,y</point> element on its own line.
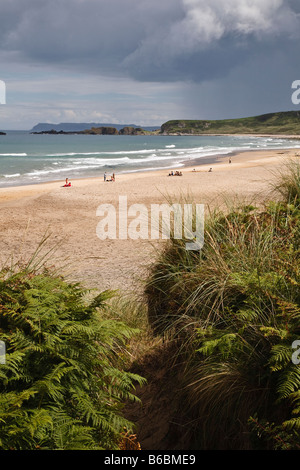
<point>286,123</point>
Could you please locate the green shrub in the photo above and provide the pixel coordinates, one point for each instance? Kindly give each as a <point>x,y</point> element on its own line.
<point>62,385</point>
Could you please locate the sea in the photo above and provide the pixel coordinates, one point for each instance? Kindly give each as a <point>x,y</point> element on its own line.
<point>27,158</point>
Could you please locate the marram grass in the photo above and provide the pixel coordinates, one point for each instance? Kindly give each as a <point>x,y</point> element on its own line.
<point>235,309</point>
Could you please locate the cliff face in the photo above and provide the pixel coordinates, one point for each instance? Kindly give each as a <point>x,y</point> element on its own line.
<point>131,131</point>
<point>100,131</point>
<point>127,130</point>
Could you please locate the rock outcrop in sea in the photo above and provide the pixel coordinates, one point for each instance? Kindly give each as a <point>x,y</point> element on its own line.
<point>128,130</point>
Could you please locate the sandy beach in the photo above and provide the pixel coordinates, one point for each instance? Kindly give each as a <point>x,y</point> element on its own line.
<point>68,215</point>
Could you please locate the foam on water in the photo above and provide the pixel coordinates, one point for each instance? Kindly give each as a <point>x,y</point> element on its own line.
<point>26,158</point>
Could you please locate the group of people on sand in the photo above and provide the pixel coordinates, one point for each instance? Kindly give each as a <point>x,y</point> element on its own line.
<point>112,178</point>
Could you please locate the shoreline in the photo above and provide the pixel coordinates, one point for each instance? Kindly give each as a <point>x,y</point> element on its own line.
<point>209,160</point>
<point>185,165</point>
<point>69,215</point>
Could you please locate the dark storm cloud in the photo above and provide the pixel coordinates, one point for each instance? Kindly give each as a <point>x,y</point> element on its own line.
<point>213,37</point>
<point>165,40</point>
<point>97,33</point>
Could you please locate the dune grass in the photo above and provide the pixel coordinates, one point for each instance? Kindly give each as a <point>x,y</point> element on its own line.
<point>234,307</point>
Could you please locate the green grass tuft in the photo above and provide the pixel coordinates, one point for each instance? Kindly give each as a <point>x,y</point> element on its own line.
<point>235,308</point>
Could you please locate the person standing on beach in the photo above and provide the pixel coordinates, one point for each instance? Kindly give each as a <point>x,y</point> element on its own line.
<point>105,176</point>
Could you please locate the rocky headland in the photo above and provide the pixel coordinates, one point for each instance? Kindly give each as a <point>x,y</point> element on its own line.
<point>104,130</point>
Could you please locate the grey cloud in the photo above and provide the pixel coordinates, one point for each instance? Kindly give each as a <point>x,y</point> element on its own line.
<point>100,31</point>
<point>212,38</point>
<point>161,40</point>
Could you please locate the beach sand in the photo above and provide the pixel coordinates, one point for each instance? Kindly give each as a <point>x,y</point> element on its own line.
<point>68,215</point>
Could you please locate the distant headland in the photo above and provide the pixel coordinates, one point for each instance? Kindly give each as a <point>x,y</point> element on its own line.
<point>285,123</point>
<point>89,128</point>
<point>103,130</point>
<point>281,123</point>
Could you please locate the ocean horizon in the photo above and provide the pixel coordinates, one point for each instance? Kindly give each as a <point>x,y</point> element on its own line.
<point>27,158</point>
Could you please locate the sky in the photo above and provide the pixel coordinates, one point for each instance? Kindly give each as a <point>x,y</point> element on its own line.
<point>145,62</point>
